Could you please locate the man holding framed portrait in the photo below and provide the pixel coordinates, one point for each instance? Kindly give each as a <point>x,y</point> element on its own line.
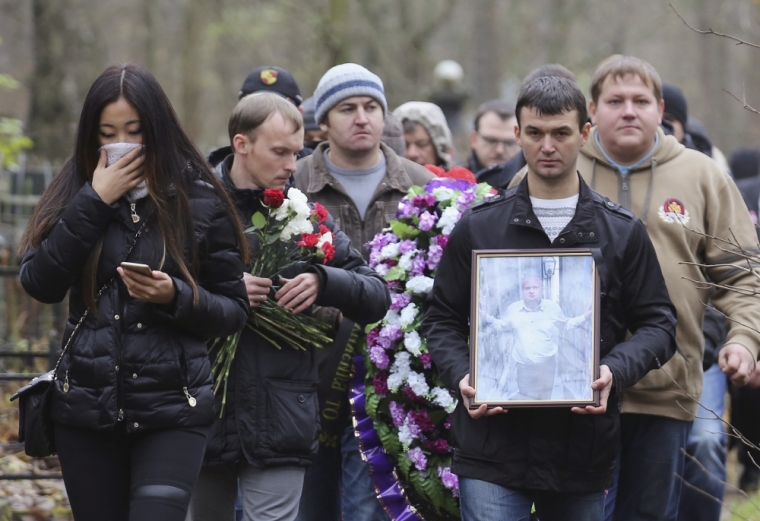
<point>598,278</point>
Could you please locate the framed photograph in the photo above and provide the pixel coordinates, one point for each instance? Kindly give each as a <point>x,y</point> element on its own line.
<point>534,328</point>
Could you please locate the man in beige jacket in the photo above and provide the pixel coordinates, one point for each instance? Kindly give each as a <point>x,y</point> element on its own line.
<point>677,193</point>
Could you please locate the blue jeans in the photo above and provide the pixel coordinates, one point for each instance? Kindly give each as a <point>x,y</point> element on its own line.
<point>707,444</point>
<point>359,500</point>
<point>483,501</point>
<point>646,486</point>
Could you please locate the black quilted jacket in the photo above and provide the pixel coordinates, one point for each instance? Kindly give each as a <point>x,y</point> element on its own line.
<point>134,361</point>
<point>272,415</point>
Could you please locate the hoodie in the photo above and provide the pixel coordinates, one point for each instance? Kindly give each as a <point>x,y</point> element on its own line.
<point>675,192</point>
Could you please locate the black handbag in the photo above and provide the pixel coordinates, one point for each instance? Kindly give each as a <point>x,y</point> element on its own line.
<point>35,422</point>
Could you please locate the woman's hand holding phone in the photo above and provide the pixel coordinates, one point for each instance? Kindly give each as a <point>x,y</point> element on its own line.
<point>111,182</point>
<point>158,287</point>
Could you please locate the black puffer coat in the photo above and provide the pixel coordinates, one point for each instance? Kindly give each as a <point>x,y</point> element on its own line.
<point>272,415</point>
<point>132,360</point>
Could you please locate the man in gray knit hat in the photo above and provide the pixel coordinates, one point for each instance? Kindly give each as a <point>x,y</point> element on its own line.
<point>427,135</point>
<point>360,180</point>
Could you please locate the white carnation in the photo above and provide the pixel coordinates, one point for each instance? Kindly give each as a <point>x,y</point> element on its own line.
<point>448,219</point>
<point>413,343</point>
<point>405,435</point>
<point>405,262</point>
<point>395,380</point>
<point>326,237</point>
<point>408,314</point>
<point>401,365</point>
<point>281,212</point>
<point>299,203</point>
<point>420,284</point>
<point>382,269</point>
<point>442,398</point>
<point>443,194</point>
<point>392,317</point>
<point>296,226</point>
<point>418,383</point>
<point>390,251</point>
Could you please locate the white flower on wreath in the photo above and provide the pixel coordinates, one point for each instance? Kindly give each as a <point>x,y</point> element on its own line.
<point>417,383</point>
<point>392,317</point>
<point>299,203</point>
<point>420,284</point>
<point>405,435</point>
<point>390,251</point>
<point>395,380</point>
<point>448,219</point>
<point>408,314</point>
<point>405,262</point>
<point>443,194</point>
<point>442,398</point>
<point>413,342</point>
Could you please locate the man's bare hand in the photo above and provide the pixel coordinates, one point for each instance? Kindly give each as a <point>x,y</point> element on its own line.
<point>299,292</point>
<point>257,288</point>
<point>604,385</point>
<point>737,363</point>
<point>468,392</point>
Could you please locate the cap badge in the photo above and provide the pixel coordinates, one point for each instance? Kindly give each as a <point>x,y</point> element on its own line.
<point>674,211</point>
<point>268,77</point>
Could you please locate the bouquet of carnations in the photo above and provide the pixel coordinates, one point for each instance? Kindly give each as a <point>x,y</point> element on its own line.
<point>408,403</point>
<point>290,233</point>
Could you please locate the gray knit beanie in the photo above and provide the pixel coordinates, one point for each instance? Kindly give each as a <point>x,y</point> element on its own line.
<point>344,81</point>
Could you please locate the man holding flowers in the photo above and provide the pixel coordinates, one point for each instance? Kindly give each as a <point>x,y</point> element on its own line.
<point>558,459</point>
<point>267,434</point>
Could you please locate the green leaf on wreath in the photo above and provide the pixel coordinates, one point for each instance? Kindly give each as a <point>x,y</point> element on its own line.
<point>258,220</point>
<point>404,464</point>
<point>416,190</point>
<point>403,230</point>
<point>388,438</point>
<point>396,273</point>
<point>373,400</point>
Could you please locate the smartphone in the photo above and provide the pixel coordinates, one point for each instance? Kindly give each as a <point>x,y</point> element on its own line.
<point>143,269</point>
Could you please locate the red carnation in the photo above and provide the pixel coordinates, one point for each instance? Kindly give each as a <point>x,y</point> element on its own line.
<point>273,198</point>
<point>436,170</point>
<point>324,229</point>
<point>460,172</point>
<point>321,212</point>
<point>309,240</point>
<point>329,250</point>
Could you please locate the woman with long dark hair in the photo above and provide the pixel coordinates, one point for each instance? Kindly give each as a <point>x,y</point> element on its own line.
<point>133,397</point>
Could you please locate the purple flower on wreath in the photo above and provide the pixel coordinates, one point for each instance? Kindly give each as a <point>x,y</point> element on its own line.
<point>449,480</point>
<point>407,246</point>
<point>380,381</point>
<point>406,209</point>
<point>465,199</point>
<point>422,419</point>
<point>427,221</point>
<point>393,285</point>
<point>417,457</point>
<point>389,335</point>
<point>427,360</point>
<point>439,446</point>
<point>435,252</point>
<point>423,201</point>
<point>418,265</point>
<point>374,258</point>
<point>399,301</point>
<point>411,396</point>
<point>447,423</point>
<point>442,240</point>
<point>379,357</point>
<point>397,413</point>
<point>372,336</point>
<point>414,429</point>
<point>381,240</point>
<point>454,184</point>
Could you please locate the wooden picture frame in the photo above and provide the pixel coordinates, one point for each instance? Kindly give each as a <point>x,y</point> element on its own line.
<point>534,328</point>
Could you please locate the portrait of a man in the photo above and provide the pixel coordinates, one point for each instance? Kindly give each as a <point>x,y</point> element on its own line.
<point>534,329</point>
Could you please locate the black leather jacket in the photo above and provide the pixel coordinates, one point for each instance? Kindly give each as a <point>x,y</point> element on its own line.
<point>552,448</point>
<point>132,360</point>
<point>272,414</point>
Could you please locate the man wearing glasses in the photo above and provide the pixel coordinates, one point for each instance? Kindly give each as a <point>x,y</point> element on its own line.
<point>492,140</point>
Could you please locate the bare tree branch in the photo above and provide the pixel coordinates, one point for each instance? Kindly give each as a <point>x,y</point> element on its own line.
<point>738,41</point>
<point>743,101</point>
